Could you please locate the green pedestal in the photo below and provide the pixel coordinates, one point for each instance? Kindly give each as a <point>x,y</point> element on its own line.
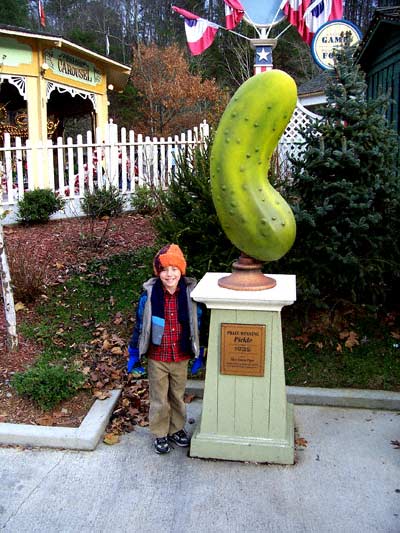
<point>246,418</point>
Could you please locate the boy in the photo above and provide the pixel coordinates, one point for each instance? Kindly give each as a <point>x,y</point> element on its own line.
<point>167,330</point>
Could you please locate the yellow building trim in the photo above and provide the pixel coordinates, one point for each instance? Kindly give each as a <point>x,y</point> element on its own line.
<point>41,59</point>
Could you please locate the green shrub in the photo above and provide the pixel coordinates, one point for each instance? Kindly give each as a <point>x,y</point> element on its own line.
<point>38,205</point>
<point>144,200</point>
<point>346,197</point>
<point>47,384</point>
<point>103,202</point>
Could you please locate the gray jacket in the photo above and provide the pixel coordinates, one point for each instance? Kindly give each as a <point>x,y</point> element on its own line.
<point>143,332</point>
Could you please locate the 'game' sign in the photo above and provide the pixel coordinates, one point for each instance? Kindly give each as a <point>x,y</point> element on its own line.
<point>333,35</point>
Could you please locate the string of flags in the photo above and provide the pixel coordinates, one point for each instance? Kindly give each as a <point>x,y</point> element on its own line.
<point>234,12</point>
<point>306,15</point>
<point>200,33</point>
<point>309,15</point>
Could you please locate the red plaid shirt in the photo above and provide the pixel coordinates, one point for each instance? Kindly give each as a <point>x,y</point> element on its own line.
<point>170,350</point>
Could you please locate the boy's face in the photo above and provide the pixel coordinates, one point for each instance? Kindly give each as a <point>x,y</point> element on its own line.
<point>170,277</point>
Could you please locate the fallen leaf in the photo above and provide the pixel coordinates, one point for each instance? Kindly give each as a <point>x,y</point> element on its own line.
<point>19,306</point>
<point>59,414</point>
<point>107,345</point>
<point>303,338</point>
<point>301,442</point>
<point>188,398</point>
<point>395,335</point>
<point>45,420</point>
<point>352,340</point>
<point>118,319</point>
<point>339,348</point>
<point>101,395</point>
<point>116,350</point>
<point>111,438</point>
<point>117,340</point>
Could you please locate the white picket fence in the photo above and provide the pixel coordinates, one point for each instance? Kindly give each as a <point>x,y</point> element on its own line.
<point>123,160</point>
<point>115,157</point>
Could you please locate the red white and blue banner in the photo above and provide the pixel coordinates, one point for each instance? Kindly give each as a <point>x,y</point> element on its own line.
<point>200,33</point>
<point>42,15</point>
<point>234,12</point>
<point>309,15</point>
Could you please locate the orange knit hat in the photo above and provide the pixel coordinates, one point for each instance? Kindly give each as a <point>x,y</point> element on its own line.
<point>169,255</point>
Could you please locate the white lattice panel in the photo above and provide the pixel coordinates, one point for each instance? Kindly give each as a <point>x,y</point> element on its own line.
<point>291,141</point>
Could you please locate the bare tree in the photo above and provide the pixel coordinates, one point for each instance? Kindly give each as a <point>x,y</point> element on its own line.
<point>6,286</point>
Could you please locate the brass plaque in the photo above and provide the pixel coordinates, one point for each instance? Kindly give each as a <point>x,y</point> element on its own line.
<point>243,349</point>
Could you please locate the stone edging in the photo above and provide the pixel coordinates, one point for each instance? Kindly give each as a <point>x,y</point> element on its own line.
<point>355,398</point>
<point>89,433</point>
<point>85,437</point>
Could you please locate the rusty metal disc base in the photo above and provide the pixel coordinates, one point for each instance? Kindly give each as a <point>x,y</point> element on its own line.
<point>247,276</point>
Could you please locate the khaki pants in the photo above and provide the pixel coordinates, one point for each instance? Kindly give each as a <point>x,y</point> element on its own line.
<point>167,383</point>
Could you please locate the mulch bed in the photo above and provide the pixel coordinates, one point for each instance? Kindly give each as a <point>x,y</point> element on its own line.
<point>60,248</point>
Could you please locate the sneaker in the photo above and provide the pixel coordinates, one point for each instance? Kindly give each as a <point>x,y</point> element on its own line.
<point>161,445</point>
<point>180,438</point>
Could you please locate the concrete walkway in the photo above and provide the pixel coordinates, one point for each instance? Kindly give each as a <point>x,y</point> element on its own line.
<point>346,479</point>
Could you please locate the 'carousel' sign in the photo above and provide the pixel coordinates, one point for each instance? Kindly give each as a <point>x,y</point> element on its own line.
<point>72,67</point>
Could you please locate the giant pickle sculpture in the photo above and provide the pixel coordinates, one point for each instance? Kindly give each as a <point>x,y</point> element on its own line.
<point>254,216</point>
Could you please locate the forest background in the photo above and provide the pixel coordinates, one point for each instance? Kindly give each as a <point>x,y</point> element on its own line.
<point>169,90</point>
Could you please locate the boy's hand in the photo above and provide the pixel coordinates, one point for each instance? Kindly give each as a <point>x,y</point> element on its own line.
<point>198,363</point>
<point>133,365</point>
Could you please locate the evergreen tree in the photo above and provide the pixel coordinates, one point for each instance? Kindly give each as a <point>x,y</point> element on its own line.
<point>348,195</point>
<point>14,13</point>
<point>187,216</point>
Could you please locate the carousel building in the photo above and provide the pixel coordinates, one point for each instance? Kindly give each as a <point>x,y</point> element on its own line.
<point>46,79</point>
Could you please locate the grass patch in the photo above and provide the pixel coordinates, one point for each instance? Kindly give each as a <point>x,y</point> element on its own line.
<point>102,296</point>
<point>350,346</point>
<point>354,347</point>
<point>72,310</point>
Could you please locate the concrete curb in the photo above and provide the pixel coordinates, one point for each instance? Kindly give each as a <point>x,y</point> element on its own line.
<point>89,433</point>
<point>355,398</point>
<point>85,437</point>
